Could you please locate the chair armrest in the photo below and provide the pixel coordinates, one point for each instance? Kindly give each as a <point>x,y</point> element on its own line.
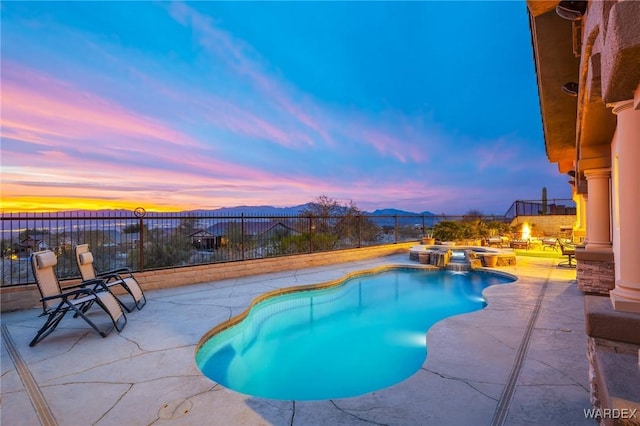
<point>66,294</point>
<point>115,272</point>
<point>73,286</point>
<point>109,276</point>
<point>95,283</point>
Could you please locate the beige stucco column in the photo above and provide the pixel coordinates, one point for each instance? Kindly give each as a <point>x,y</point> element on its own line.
<point>598,209</point>
<point>626,294</point>
<point>579,228</point>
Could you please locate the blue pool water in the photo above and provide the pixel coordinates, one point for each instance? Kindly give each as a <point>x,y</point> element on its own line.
<point>358,337</point>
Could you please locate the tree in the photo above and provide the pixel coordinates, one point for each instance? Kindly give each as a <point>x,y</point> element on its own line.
<point>497,227</point>
<point>131,229</point>
<point>472,215</point>
<point>448,230</point>
<point>342,221</point>
<point>23,235</point>
<point>324,206</point>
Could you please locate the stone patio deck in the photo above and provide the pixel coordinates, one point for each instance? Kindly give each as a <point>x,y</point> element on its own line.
<point>521,360</point>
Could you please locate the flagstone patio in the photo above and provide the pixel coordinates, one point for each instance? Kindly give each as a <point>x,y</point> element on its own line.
<point>521,360</point>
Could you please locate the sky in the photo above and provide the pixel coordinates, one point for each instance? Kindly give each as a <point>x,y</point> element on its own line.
<point>419,106</point>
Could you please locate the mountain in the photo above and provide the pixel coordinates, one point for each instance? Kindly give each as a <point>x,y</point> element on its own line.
<point>387,217</point>
<point>224,211</point>
<point>255,210</point>
<point>387,212</point>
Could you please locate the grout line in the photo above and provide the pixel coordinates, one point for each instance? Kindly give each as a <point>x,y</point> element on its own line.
<point>33,390</point>
<point>502,409</point>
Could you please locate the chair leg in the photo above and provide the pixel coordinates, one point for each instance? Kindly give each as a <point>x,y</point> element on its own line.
<point>568,263</point>
<point>80,313</point>
<point>132,286</point>
<point>119,321</point>
<point>50,324</point>
<point>113,308</point>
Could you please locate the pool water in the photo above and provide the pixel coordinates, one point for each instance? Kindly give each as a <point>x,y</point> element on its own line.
<point>347,340</point>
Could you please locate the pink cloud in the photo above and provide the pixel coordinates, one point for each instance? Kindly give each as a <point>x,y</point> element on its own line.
<point>494,154</point>
<point>36,107</point>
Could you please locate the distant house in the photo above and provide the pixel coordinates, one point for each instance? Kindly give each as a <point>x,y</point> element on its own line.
<point>253,230</point>
<point>129,240</point>
<point>203,240</point>
<point>60,245</point>
<point>278,230</point>
<point>111,237</point>
<point>30,244</point>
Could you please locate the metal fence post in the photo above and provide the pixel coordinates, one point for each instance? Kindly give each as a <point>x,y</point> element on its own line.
<point>139,212</point>
<point>310,233</point>
<point>242,234</point>
<point>396,228</point>
<point>141,248</point>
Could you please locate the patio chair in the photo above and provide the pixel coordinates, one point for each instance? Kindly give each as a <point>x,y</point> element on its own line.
<point>568,250</point>
<point>550,243</point>
<point>521,244</point>
<point>57,302</point>
<point>119,277</point>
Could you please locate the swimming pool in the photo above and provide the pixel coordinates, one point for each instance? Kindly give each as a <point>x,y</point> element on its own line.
<point>358,335</point>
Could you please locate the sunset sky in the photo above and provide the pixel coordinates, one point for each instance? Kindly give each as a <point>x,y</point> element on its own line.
<point>178,106</point>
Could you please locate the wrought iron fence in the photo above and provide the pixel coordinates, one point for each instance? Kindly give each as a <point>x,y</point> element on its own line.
<point>144,241</point>
<point>555,206</point>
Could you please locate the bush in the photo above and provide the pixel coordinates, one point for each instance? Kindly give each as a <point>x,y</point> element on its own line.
<point>448,230</point>
<point>294,244</point>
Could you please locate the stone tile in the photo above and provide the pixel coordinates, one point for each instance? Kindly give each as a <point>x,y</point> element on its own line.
<point>16,409</point>
<point>549,405</point>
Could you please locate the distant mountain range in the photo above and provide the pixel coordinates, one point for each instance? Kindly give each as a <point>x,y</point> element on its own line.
<point>285,211</point>
<point>117,219</point>
<point>254,210</point>
<point>227,211</point>
<point>224,211</point>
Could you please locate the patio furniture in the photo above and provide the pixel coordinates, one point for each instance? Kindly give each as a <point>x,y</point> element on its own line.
<point>56,301</point>
<point>497,241</point>
<point>550,242</point>
<point>520,244</point>
<point>119,277</point>
<point>568,250</point>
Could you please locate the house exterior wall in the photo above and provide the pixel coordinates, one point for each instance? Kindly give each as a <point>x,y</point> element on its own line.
<point>548,225</point>
<point>605,64</point>
<point>605,164</point>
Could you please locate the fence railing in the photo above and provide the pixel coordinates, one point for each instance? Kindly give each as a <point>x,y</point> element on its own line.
<point>555,206</point>
<point>144,241</point>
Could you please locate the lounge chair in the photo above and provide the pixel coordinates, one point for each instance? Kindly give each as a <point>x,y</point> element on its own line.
<point>119,277</point>
<point>568,250</point>
<point>56,301</point>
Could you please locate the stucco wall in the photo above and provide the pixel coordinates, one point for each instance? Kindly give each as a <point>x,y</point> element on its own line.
<point>549,225</point>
